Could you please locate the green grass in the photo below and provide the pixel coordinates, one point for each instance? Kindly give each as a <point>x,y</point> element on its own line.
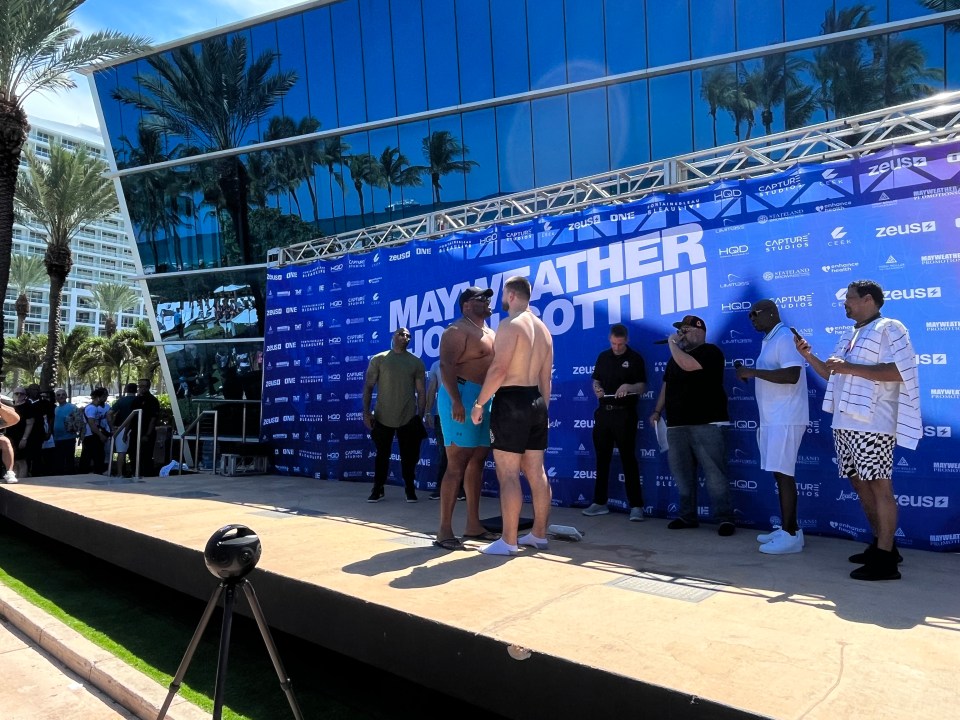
<point>149,627</point>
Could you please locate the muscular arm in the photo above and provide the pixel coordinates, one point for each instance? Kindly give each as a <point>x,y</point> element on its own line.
<point>780,376</point>
<point>452,343</point>
<point>421,394</point>
<point>369,382</point>
<point>545,379</point>
<point>504,346</point>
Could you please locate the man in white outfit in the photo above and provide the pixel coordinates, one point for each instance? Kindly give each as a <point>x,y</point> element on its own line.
<point>781,389</point>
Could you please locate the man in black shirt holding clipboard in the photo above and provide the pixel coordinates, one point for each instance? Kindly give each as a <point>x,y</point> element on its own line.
<point>619,378</point>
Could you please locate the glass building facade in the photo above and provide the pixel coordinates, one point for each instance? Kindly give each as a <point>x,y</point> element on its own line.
<point>340,114</point>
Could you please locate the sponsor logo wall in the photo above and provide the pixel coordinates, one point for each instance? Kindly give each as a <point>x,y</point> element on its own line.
<point>798,237</point>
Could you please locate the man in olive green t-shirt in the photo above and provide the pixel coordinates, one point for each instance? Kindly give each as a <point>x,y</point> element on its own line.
<point>398,376</point>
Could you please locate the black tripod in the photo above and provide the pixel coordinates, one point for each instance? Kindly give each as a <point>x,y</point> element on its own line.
<point>231,553</point>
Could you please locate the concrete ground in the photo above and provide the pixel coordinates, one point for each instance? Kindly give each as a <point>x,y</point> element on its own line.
<point>679,624</point>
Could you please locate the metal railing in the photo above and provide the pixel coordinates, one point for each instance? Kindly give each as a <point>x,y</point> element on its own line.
<point>936,118</point>
<point>185,437</point>
<point>113,438</point>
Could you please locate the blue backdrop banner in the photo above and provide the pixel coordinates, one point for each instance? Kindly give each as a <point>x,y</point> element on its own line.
<point>798,237</point>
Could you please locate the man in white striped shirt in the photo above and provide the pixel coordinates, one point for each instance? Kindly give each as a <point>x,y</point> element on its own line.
<point>874,396</point>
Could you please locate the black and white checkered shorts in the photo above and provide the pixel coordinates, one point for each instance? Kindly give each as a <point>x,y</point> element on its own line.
<point>868,455</point>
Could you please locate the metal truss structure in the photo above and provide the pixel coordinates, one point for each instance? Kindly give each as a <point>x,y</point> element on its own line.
<point>934,119</point>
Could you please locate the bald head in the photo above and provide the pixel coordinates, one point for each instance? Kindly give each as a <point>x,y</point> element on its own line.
<point>764,315</point>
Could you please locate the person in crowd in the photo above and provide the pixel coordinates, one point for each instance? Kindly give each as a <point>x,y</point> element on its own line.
<point>695,401</point>
<point>96,434</point>
<point>398,376</point>
<point>148,405</point>
<point>874,395</point>
<point>47,460</point>
<point>19,433</point>
<point>65,441</point>
<point>781,390</point>
<point>619,378</point>
<point>520,376</point>
<point>466,351</point>
<point>431,419</point>
<point>42,411</point>
<point>8,418</point>
<point>121,440</point>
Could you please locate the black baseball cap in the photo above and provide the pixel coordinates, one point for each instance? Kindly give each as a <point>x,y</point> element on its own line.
<point>474,292</point>
<point>691,321</point>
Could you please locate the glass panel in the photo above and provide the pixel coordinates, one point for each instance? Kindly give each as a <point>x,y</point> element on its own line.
<point>208,306</point>
<point>712,28</point>
<point>262,42</point>
<point>850,14</point>
<point>331,186</point>
<point>913,65</point>
<point>803,101</point>
<point>448,161</point>
<point>348,60</point>
<point>713,89</point>
<point>668,20</point>
<point>551,141</point>
<point>585,44</point>
<point>629,110</point>
<point>473,42</point>
<point>415,197</point>
<point>321,81</point>
<point>440,43</point>
<point>626,25</point>
<point>377,59</point>
<point>952,61</point>
<point>357,171</point>
<point>547,57</point>
<point>588,130</point>
<point>480,136</point>
<point>515,148</point>
<point>407,26</point>
<point>396,175</point>
<point>804,18</point>
<point>292,58</point>
<point>511,71</point>
<point>760,96</point>
<point>759,23</point>
<point>671,126</point>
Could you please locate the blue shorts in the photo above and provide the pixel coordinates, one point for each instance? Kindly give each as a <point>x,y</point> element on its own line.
<point>465,434</point>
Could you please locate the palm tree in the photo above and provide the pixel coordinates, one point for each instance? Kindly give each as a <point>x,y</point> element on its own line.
<point>69,352</point>
<point>364,168</point>
<point>113,299</point>
<point>440,150</point>
<point>65,195</point>
<point>25,354</point>
<point>393,173</point>
<point>26,271</point>
<point>212,97</point>
<point>719,83</point>
<point>40,50</point>
<point>144,354</point>
<point>332,153</point>
<point>769,83</point>
<point>902,69</point>
<point>845,79</point>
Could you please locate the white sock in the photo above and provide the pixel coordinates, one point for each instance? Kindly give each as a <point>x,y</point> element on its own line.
<point>500,548</point>
<point>531,540</point>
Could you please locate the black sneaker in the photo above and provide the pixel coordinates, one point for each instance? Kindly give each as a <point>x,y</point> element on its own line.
<point>862,558</point>
<point>681,524</point>
<point>435,495</point>
<point>726,529</point>
<point>461,495</point>
<point>376,495</point>
<point>411,496</point>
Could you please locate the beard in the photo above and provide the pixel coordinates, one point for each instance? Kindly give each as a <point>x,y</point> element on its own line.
<point>505,306</point>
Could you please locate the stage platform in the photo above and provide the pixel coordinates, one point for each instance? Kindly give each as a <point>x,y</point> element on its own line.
<point>635,621</point>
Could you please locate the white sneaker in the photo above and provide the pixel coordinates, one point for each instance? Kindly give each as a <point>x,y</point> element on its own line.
<point>636,514</point>
<point>784,544</point>
<point>595,509</point>
<point>777,532</point>
<point>9,478</point>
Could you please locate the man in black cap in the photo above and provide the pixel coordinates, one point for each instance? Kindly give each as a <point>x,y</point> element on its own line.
<point>696,406</point>
<point>466,351</point>
<point>619,377</point>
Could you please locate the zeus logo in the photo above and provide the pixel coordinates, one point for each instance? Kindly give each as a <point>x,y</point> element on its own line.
<point>907,229</point>
<point>931,359</point>
<point>897,164</point>
<point>942,431</point>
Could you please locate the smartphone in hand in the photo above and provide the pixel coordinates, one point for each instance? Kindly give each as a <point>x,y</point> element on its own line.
<point>794,331</point>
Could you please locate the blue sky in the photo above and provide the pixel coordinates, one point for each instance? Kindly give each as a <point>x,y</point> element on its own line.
<point>161,21</point>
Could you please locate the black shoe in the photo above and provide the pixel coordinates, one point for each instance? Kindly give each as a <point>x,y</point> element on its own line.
<point>881,566</point>
<point>862,558</point>
<point>681,524</point>
<point>461,495</point>
<point>435,495</point>
<point>411,496</point>
<point>726,529</point>
<point>376,495</point>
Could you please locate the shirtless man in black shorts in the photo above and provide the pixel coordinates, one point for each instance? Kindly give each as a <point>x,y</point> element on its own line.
<point>520,377</point>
